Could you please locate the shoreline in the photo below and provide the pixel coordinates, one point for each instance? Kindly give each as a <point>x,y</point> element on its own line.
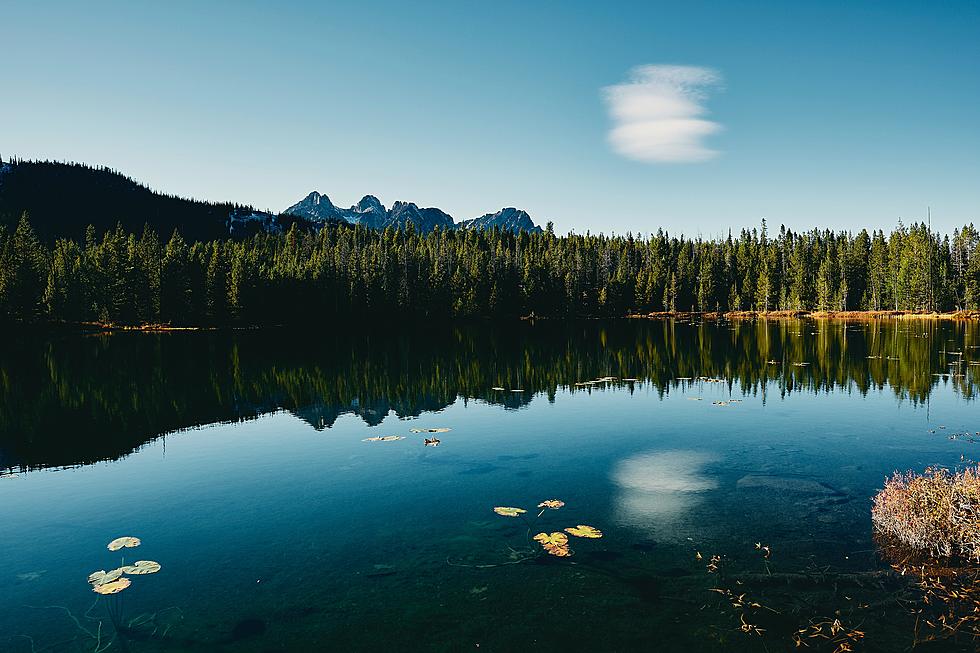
<point>856,316</point>
<point>815,315</point>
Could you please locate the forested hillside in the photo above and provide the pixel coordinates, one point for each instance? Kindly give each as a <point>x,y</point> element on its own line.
<point>345,273</point>
<point>63,198</point>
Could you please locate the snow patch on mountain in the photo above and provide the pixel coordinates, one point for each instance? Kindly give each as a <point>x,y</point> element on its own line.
<point>370,212</point>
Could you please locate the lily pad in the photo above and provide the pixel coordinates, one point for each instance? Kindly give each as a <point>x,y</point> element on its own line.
<point>123,543</point>
<point>141,567</point>
<point>554,504</point>
<point>554,543</point>
<point>508,511</point>
<point>112,588</point>
<point>103,577</point>
<point>384,438</point>
<point>582,530</point>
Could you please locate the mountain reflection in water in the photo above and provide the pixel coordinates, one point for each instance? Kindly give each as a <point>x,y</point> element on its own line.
<point>75,399</point>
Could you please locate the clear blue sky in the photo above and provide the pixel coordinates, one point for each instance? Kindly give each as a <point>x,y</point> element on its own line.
<point>830,114</point>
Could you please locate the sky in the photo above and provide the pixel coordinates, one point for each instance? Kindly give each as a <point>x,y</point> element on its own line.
<point>695,117</point>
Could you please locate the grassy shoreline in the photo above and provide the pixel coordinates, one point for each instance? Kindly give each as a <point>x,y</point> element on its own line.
<point>97,327</point>
<point>818,315</point>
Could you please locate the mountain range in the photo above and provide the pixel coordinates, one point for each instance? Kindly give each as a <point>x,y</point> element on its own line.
<point>370,212</point>
<point>62,199</point>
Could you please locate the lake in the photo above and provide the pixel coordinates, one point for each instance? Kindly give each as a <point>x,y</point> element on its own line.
<point>240,460</point>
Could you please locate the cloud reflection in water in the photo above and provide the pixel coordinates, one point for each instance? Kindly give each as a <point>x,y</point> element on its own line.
<point>657,490</point>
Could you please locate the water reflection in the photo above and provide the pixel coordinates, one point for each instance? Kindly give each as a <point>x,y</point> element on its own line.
<point>657,490</point>
<point>71,399</point>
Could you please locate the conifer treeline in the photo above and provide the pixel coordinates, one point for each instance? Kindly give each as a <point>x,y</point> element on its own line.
<point>346,272</point>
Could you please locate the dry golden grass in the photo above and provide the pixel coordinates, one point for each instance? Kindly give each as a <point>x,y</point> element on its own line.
<point>819,315</point>
<point>937,512</point>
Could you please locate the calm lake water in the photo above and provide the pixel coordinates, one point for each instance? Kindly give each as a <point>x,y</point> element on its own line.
<point>239,459</point>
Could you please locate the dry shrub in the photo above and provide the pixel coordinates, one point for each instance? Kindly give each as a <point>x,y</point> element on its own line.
<point>937,512</point>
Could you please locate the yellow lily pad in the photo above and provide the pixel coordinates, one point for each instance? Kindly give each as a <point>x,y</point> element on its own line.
<point>554,543</point>
<point>112,588</point>
<point>507,511</point>
<point>141,567</point>
<point>554,504</point>
<point>584,531</point>
<point>103,577</point>
<point>123,543</point>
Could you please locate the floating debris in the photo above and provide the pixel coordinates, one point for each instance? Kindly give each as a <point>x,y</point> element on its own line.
<point>123,543</point>
<point>583,530</point>
<point>554,543</point>
<point>438,430</point>
<point>508,511</point>
<point>384,438</point>
<point>432,442</point>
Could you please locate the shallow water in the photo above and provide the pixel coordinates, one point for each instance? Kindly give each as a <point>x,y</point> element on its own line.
<point>239,460</point>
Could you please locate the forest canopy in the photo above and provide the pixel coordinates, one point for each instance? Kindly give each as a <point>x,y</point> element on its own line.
<point>346,272</point>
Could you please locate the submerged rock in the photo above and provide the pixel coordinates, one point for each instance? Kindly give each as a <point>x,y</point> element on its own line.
<point>786,484</point>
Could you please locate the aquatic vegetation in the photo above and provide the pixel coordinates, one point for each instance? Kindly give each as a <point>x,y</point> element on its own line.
<point>103,577</point>
<point>508,511</point>
<point>582,530</point>
<point>123,543</point>
<point>554,543</point>
<point>948,607</point>
<point>141,567</point>
<point>384,438</point>
<point>114,587</point>
<point>842,637</point>
<point>935,512</point>
<point>768,605</point>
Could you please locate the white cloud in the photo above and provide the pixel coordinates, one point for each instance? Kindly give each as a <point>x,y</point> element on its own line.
<point>657,114</point>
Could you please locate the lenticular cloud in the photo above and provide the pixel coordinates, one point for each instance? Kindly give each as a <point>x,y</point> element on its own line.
<point>657,114</point>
